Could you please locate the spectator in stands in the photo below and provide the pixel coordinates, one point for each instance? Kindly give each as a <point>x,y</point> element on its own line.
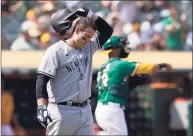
<point>185,27</point>
<point>144,7</point>
<point>42,8</point>
<point>158,27</point>
<point>126,10</point>
<point>174,30</point>
<point>188,44</point>
<point>8,7</point>
<point>106,8</point>
<point>47,7</point>
<point>135,37</point>
<point>25,40</point>
<point>32,15</point>
<point>7,109</point>
<point>10,125</point>
<point>114,20</point>
<point>45,41</point>
<point>3,42</point>
<point>12,16</point>
<point>154,17</point>
<point>146,28</point>
<point>156,42</point>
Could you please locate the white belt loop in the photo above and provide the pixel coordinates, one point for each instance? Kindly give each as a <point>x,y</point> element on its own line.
<point>69,103</point>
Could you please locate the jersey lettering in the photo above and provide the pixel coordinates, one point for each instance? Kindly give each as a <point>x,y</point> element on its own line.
<point>104,79</point>
<point>84,61</point>
<point>72,65</point>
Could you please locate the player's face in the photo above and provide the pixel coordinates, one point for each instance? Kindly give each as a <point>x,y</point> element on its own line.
<point>116,52</point>
<point>84,36</point>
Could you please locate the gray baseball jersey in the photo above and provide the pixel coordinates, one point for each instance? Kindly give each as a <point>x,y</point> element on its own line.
<point>70,71</point>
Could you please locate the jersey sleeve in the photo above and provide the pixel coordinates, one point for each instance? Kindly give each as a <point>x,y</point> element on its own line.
<point>49,63</point>
<point>129,68</point>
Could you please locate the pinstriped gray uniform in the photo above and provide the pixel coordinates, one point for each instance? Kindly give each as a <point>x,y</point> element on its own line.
<point>70,71</point>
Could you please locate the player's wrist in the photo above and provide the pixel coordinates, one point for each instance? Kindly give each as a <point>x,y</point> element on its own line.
<point>42,107</point>
<point>42,101</point>
<point>93,17</point>
<point>162,65</point>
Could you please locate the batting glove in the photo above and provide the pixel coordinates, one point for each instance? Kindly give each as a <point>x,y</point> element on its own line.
<point>42,115</point>
<point>84,12</point>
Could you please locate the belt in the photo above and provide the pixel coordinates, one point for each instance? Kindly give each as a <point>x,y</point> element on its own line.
<point>71,103</point>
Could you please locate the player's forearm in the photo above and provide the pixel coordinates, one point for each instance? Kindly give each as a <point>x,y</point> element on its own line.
<point>151,68</point>
<point>104,30</point>
<point>41,91</point>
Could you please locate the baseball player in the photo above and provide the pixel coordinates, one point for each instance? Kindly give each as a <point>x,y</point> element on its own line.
<point>64,76</point>
<point>112,86</point>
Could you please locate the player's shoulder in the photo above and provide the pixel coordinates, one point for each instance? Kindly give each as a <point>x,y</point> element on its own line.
<point>126,62</point>
<point>58,46</point>
<point>55,46</point>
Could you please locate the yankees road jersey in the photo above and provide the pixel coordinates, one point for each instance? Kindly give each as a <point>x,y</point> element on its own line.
<point>112,81</point>
<point>70,71</point>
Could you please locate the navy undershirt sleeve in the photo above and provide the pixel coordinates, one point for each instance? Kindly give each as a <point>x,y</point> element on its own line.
<point>104,30</point>
<point>41,85</point>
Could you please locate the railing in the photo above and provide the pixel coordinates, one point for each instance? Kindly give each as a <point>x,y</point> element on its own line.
<point>31,59</point>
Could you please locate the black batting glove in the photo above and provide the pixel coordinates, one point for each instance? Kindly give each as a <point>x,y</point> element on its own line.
<point>82,12</point>
<point>167,66</point>
<point>42,115</point>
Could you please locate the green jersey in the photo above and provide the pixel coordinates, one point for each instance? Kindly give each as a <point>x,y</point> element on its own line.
<point>112,81</point>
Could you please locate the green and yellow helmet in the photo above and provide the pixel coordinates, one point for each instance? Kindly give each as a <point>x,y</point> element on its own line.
<point>115,42</point>
<point>118,42</point>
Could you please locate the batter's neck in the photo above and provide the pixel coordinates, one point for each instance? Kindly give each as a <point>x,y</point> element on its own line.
<point>71,43</point>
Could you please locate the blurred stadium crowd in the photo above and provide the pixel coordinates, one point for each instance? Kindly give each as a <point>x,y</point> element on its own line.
<point>147,24</point>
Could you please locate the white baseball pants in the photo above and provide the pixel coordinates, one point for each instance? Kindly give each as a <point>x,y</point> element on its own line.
<point>111,119</point>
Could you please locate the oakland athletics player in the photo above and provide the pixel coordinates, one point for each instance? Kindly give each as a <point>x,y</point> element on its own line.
<point>65,73</point>
<point>113,88</point>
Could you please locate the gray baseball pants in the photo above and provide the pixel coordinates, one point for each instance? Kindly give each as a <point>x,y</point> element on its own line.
<point>70,120</point>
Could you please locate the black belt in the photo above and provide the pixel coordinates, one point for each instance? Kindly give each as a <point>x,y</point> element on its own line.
<point>71,103</point>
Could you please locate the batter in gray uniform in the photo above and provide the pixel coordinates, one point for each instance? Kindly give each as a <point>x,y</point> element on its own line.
<point>65,75</point>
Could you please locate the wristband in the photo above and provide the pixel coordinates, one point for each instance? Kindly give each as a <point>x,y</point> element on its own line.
<point>162,65</point>
<point>42,107</point>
